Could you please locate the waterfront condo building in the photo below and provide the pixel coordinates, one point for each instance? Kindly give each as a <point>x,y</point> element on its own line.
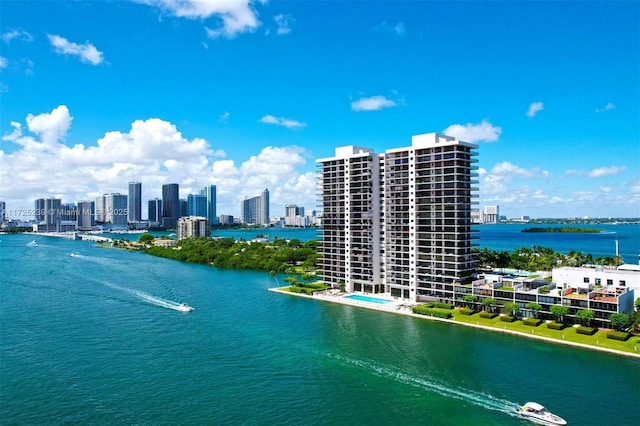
<point>193,227</point>
<point>399,223</point>
<point>255,210</point>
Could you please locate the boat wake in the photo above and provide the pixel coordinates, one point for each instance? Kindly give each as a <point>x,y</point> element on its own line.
<point>157,301</point>
<point>479,399</point>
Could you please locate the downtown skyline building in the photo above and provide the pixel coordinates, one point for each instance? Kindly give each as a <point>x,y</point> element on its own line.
<point>398,223</point>
<point>209,191</point>
<point>197,205</point>
<point>154,212</point>
<point>170,205</point>
<point>135,202</point>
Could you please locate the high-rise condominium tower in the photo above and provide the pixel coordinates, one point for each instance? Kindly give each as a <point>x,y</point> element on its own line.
<point>135,202</point>
<point>170,205</point>
<point>400,222</point>
<point>255,210</point>
<point>155,212</point>
<point>210,192</point>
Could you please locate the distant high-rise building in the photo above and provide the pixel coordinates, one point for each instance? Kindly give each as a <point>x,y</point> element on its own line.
<point>155,212</point>
<point>86,215</point>
<point>399,223</point>
<point>116,206</point>
<point>210,192</point>
<point>48,214</point>
<point>40,210</point>
<point>193,227</point>
<point>197,205</point>
<point>100,209</point>
<point>135,202</point>
<point>3,210</point>
<point>255,210</point>
<point>184,208</point>
<point>491,214</point>
<point>294,216</point>
<point>226,219</point>
<point>170,205</point>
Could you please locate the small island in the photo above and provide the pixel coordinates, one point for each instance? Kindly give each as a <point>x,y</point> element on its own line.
<point>569,229</point>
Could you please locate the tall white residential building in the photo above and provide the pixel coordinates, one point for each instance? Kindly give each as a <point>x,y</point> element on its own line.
<point>351,250</point>
<point>399,223</point>
<point>193,227</point>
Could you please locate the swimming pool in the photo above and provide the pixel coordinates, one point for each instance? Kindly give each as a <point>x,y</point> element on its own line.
<point>368,299</point>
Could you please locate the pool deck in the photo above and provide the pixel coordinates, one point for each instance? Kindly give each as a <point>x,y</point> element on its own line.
<point>404,308</point>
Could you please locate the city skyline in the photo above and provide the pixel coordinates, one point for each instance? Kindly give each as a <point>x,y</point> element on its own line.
<point>247,94</point>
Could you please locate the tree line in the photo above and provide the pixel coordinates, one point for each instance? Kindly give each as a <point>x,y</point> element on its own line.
<point>536,258</point>
<point>279,255</point>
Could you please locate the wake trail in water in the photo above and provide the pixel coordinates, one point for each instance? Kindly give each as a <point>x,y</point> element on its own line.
<point>480,399</point>
<point>154,300</point>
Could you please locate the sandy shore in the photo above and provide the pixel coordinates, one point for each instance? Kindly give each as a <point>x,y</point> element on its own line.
<point>404,308</point>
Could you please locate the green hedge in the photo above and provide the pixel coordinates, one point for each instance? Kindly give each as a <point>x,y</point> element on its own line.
<point>555,325</point>
<point>618,335</point>
<point>507,318</point>
<point>589,331</point>
<point>439,305</point>
<point>431,312</point>
<point>534,322</point>
<point>467,311</point>
<point>488,315</point>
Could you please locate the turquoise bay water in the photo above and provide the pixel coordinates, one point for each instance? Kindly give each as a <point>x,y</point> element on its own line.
<point>93,339</point>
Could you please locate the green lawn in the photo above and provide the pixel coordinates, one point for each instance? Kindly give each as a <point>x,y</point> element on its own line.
<point>568,334</point>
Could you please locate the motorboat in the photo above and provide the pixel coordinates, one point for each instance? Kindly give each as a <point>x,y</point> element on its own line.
<point>538,414</point>
<point>183,307</point>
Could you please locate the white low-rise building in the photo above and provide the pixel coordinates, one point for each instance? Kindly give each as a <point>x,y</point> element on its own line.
<point>587,277</point>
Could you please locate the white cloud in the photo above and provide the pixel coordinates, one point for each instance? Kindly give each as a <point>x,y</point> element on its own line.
<point>373,103</point>
<point>606,171</point>
<point>534,108</point>
<point>3,62</point>
<point>608,107</point>
<point>152,151</point>
<point>235,16</point>
<point>483,131</point>
<point>16,35</point>
<point>398,28</point>
<point>281,121</point>
<point>86,52</point>
<point>597,172</point>
<point>283,24</point>
<point>224,117</point>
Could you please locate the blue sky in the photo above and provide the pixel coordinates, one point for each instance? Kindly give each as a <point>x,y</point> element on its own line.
<point>247,94</point>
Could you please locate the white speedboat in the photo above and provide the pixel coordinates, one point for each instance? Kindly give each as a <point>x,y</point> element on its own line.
<point>184,307</point>
<point>538,414</point>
